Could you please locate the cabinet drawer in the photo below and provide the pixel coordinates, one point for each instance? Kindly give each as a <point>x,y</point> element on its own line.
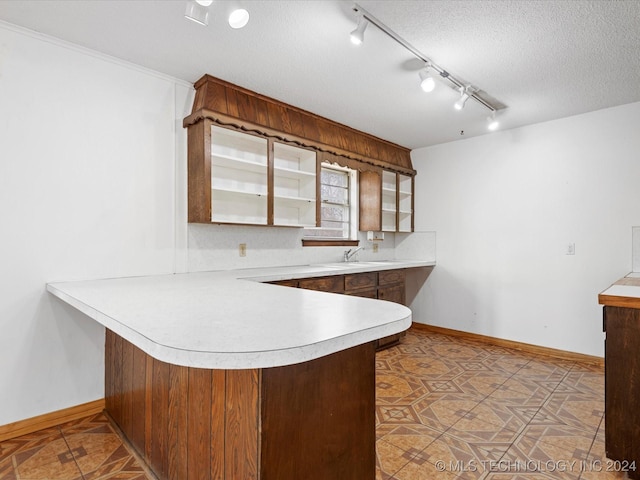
<point>356,281</point>
<point>366,293</point>
<point>334,283</point>
<point>386,277</point>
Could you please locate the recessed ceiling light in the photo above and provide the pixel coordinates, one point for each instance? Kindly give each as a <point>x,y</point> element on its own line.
<point>238,18</point>
<point>205,3</point>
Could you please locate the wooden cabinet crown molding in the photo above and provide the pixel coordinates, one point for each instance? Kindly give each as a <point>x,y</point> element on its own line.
<point>231,105</point>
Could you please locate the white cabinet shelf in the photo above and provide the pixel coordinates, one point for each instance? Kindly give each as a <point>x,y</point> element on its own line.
<point>405,203</point>
<point>389,201</point>
<point>294,186</point>
<point>294,174</point>
<point>239,177</point>
<point>228,161</point>
<point>242,189</point>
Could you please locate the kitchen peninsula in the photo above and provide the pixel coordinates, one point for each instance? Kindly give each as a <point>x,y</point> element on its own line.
<point>220,372</point>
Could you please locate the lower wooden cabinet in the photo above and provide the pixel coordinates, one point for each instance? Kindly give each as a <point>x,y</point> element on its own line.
<point>308,421</point>
<point>392,293</point>
<point>622,387</point>
<point>333,284</point>
<point>383,285</point>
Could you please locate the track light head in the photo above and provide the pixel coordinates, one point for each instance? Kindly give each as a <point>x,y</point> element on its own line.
<point>427,83</point>
<point>238,18</point>
<point>492,123</point>
<point>464,96</point>
<point>357,36</point>
<point>197,12</point>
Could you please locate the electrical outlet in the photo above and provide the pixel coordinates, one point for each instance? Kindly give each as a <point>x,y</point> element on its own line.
<point>375,248</point>
<point>571,249</point>
<point>242,249</point>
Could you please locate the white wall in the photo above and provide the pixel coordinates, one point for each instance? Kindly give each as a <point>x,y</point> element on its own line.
<point>93,184</point>
<point>636,249</point>
<point>506,205</point>
<point>87,190</point>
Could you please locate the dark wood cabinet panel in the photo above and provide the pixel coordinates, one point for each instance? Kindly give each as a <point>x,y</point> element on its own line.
<point>330,432</point>
<point>365,293</point>
<point>314,420</point>
<point>370,201</point>
<point>622,386</point>
<point>333,284</point>
<point>360,280</point>
<point>388,277</point>
<point>392,293</point>
<point>227,103</point>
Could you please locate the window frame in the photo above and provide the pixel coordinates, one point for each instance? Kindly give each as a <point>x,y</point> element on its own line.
<point>311,241</point>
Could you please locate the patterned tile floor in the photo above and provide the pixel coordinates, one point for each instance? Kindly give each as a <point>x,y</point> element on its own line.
<point>86,449</point>
<point>452,408</point>
<point>446,408</point>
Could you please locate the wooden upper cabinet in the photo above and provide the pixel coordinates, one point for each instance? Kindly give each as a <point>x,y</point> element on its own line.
<point>266,171</point>
<point>244,178</point>
<point>386,201</point>
<point>370,201</point>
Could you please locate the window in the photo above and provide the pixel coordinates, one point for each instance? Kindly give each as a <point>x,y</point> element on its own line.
<point>337,196</point>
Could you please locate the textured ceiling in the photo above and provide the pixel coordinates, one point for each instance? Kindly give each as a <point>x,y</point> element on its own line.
<point>542,59</point>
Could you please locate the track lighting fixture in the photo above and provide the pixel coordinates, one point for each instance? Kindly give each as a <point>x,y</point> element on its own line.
<point>465,93</point>
<point>357,36</point>
<point>427,83</point>
<point>198,11</point>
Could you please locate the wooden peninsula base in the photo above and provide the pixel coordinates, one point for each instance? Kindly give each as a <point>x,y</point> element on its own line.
<point>313,420</point>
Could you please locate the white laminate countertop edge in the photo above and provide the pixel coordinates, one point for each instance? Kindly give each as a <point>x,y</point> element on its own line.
<point>229,320</point>
<point>628,291</point>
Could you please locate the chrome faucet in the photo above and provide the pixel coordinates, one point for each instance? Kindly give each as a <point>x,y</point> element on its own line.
<point>350,253</point>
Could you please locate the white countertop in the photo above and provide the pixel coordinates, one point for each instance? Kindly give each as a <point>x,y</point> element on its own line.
<point>229,320</point>
<point>624,293</point>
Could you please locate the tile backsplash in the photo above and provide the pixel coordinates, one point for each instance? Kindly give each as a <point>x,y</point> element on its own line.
<point>216,247</point>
